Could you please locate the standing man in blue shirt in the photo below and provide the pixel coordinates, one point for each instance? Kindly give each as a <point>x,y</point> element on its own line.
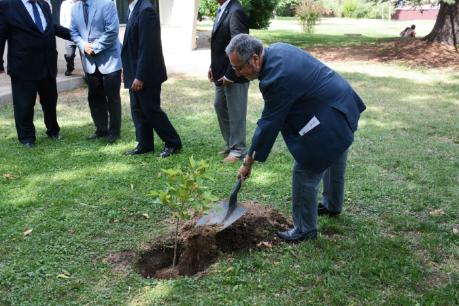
<point>94,28</point>
<point>317,112</point>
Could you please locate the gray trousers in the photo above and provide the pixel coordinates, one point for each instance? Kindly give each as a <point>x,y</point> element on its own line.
<point>70,49</point>
<point>305,186</point>
<point>231,108</point>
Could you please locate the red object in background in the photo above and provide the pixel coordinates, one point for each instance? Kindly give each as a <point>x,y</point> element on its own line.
<point>416,12</point>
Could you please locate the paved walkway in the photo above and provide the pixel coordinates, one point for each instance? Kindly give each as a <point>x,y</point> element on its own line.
<point>188,63</point>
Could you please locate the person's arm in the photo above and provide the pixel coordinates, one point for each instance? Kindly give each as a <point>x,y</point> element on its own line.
<point>62,32</point>
<point>238,24</point>
<point>74,32</point>
<point>148,34</point>
<point>278,102</point>
<point>111,30</point>
<point>3,35</point>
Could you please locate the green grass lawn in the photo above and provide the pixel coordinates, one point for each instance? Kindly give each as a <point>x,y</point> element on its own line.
<point>333,31</point>
<point>394,244</point>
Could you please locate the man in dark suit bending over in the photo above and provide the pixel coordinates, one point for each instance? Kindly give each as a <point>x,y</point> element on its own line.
<point>32,63</point>
<point>144,72</point>
<point>317,112</point>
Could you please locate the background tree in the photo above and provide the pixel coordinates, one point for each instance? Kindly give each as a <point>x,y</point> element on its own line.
<point>446,28</point>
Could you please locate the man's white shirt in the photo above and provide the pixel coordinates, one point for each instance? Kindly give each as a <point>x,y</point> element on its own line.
<point>29,8</point>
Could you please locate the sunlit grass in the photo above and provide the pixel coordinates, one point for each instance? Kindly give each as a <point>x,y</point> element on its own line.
<point>394,243</point>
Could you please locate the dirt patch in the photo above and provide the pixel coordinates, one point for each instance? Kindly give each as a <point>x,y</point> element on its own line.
<point>410,52</point>
<point>120,261</point>
<point>199,247</point>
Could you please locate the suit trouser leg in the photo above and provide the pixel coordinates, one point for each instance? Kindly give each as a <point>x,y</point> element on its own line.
<point>97,102</point>
<point>143,129</point>
<point>305,186</point>
<point>24,96</point>
<point>221,109</point>
<point>150,105</point>
<point>47,90</point>
<point>334,178</point>
<point>231,108</point>
<point>111,85</point>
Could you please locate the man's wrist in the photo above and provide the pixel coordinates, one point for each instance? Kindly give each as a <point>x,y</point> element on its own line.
<point>248,161</point>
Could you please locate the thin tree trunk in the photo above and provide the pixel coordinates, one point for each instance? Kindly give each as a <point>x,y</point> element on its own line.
<point>446,28</point>
<point>174,261</point>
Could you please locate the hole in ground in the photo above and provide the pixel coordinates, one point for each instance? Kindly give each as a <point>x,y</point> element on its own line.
<point>199,247</point>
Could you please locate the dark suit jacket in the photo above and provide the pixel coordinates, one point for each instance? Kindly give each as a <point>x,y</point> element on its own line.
<point>142,53</point>
<point>232,22</point>
<point>32,55</point>
<point>296,87</point>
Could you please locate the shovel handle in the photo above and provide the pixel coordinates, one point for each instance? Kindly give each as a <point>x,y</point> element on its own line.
<point>233,196</point>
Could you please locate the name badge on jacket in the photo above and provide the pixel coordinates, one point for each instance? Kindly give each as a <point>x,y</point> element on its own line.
<point>310,125</point>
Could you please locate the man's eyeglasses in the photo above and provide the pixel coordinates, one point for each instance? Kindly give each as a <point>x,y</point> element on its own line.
<point>240,67</point>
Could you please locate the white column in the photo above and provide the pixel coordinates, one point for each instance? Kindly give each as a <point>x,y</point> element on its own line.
<point>178,24</point>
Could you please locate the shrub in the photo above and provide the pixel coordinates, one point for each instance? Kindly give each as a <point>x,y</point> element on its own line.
<point>260,12</point>
<point>309,12</point>
<point>355,9</point>
<point>207,8</point>
<point>286,8</point>
<point>332,8</point>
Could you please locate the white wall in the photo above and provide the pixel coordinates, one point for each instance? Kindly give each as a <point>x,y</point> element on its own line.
<point>178,24</point>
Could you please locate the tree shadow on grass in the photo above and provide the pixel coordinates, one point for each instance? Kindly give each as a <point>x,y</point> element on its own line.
<point>86,200</point>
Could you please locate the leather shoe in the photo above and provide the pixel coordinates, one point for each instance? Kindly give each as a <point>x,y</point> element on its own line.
<point>137,151</point>
<point>323,211</point>
<point>168,151</point>
<point>293,235</point>
<point>112,138</point>
<point>230,159</point>
<point>28,144</point>
<point>55,136</point>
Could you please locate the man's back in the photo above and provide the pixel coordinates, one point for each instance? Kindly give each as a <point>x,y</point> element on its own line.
<point>142,48</point>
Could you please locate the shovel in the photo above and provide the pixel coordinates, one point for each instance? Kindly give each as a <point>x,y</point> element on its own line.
<point>226,212</point>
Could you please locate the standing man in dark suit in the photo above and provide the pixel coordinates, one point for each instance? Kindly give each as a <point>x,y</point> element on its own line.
<point>32,63</point>
<point>230,90</point>
<point>317,112</point>
<point>144,72</point>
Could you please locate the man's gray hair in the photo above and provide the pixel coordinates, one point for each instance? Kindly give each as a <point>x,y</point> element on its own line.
<point>245,46</point>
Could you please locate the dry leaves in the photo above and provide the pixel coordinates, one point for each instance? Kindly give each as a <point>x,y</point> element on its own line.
<point>437,212</point>
<point>8,176</point>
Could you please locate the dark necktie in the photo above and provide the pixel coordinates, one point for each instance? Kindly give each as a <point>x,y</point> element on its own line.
<point>85,12</point>
<point>216,19</point>
<point>127,16</point>
<point>36,15</point>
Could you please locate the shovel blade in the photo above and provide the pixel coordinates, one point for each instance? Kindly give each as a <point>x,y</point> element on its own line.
<point>221,215</point>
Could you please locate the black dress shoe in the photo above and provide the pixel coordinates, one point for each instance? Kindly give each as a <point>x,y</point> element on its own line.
<point>294,236</point>
<point>168,151</point>
<point>28,144</point>
<point>95,136</point>
<point>137,151</point>
<point>55,136</point>
<point>322,211</point>
<point>112,138</point>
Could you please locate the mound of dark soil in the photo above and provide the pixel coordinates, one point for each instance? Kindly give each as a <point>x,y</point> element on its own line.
<point>199,247</point>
